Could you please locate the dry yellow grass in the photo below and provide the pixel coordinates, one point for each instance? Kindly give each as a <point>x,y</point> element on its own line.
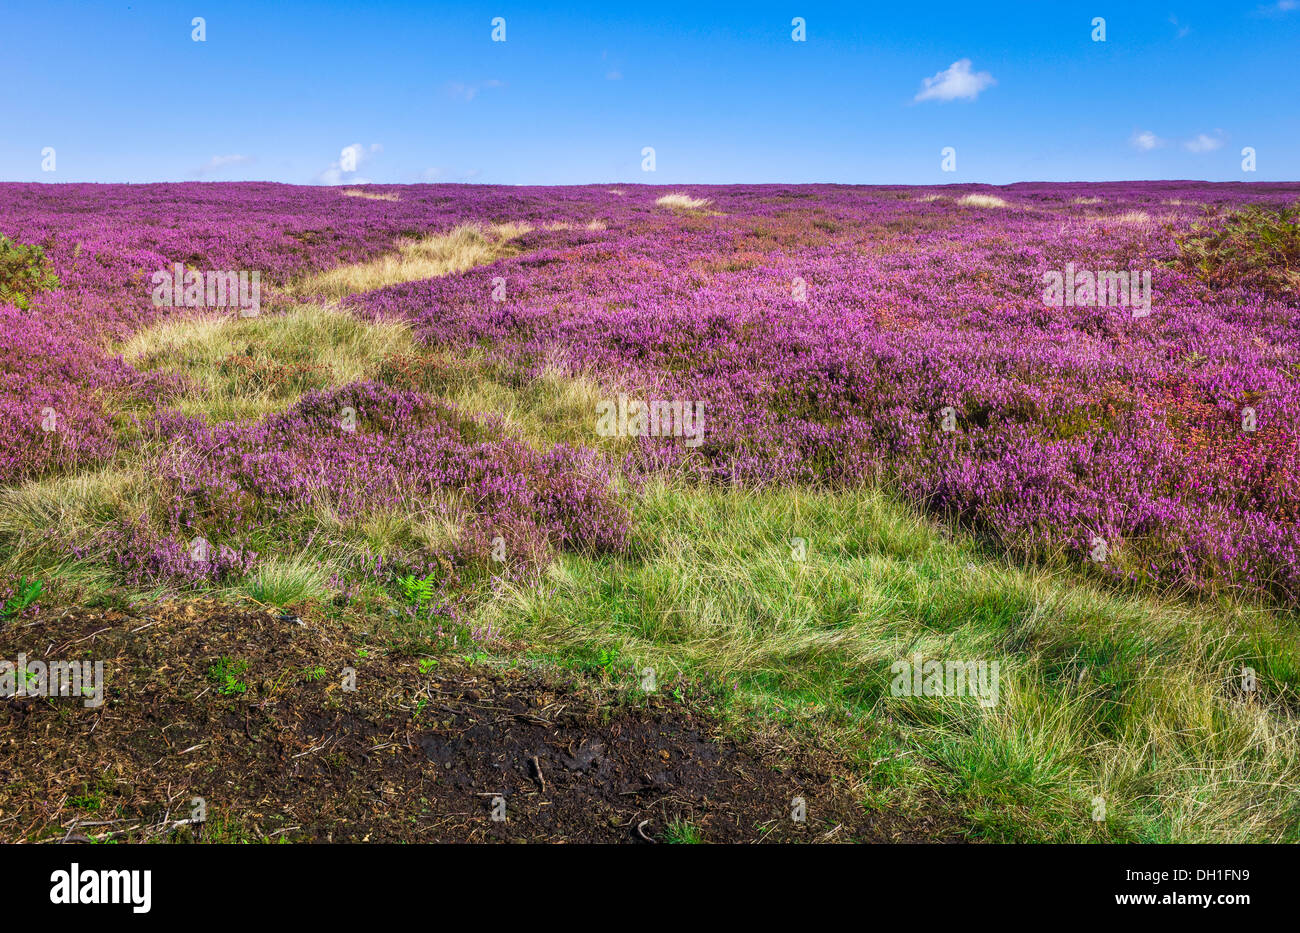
<point>1132,217</point>
<point>1087,201</point>
<point>981,200</point>
<point>679,201</point>
<point>461,248</point>
<point>566,225</point>
<point>370,195</point>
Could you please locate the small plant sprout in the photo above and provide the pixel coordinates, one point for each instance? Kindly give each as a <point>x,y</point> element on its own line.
<point>417,592</point>
<point>682,832</point>
<point>226,674</point>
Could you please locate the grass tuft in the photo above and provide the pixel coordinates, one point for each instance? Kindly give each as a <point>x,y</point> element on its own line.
<point>981,200</point>
<point>248,368</point>
<point>370,195</point>
<point>679,201</point>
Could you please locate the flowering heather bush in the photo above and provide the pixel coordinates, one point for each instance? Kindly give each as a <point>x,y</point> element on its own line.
<point>235,485</point>
<point>825,328</point>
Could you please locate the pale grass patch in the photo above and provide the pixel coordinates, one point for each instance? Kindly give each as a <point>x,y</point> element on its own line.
<point>566,225</point>
<point>459,249</point>
<point>1132,217</point>
<point>1086,201</point>
<point>981,200</point>
<point>933,197</point>
<point>76,506</point>
<point>371,195</point>
<point>247,368</point>
<point>73,502</point>
<point>555,407</point>
<point>680,201</point>
<point>427,525</point>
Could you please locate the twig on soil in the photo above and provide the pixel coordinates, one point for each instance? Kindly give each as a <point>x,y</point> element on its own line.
<point>79,640</point>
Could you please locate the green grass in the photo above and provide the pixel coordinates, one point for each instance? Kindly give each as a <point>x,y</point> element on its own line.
<point>681,832</point>
<point>1101,694</point>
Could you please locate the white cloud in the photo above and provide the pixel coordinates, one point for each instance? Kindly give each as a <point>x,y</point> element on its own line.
<point>218,162</point>
<point>1281,8</point>
<point>1203,142</point>
<point>954,82</point>
<point>355,155</point>
<point>1145,140</point>
<point>1182,30</point>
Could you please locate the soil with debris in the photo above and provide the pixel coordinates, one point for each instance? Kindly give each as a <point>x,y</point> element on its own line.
<point>248,710</point>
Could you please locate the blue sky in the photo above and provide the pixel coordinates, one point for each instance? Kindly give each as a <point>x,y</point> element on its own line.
<point>277,90</point>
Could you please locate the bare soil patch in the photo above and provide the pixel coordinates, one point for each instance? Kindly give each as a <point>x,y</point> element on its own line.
<point>246,708</point>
